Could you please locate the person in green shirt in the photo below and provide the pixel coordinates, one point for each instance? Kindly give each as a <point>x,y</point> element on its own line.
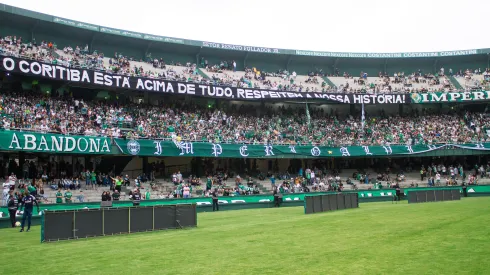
<point>209,183</point>
<point>59,196</point>
<point>31,189</point>
<point>147,195</point>
<point>117,183</point>
<point>68,196</point>
<point>93,178</point>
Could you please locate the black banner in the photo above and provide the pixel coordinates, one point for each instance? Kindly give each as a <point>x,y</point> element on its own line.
<point>340,201</point>
<point>439,195</point>
<point>89,223</point>
<point>83,223</point>
<point>456,194</point>
<point>308,205</point>
<point>165,217</point>
<point>186,215</point>
<point>58,226</point>
<point>141,219</point>
<point>317,204</point>
<point>330,202</point>
<point>433,195</point>
<point>90,78</point>
<point>447,195</point>
<point>116,221</point>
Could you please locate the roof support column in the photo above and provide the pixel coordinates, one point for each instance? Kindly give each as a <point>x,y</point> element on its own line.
<point>33,28</point>
<point>147,50</point>
<point>92,40</point>
<point>335,63</point>
<point>198,56</point>
<point>245,60</point>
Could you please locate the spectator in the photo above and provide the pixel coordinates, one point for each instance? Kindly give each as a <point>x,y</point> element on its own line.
<point>59,196</point>
<point>68,196</point>
<point>116,195</point>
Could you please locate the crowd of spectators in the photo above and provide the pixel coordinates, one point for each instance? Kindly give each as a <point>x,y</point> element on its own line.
<point>80,57</point>
<point>234,124</point>
<point>399,82</point>
<point>284,80</point>
<point>226,183</point>
<point>471,79</point>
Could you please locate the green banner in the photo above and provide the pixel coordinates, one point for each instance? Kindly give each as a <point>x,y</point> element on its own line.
<point>56,143</point>
<point>77,24</point>
<point>163,39</point>
<point>391,55</point>
<point>52,143</point>
<point>243,48</point>
<point>204,149</point>
<point>436,97</point>
<point>121,32</point>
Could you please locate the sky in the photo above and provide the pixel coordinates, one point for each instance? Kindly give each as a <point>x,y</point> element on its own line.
<point>338,26</point>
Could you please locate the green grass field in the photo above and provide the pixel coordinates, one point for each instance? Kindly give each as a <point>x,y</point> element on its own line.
<point>378,238</point>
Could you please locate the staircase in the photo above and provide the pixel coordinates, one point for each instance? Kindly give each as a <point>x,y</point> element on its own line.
<point>455,82</point>
<point>329,82</point>
<point>201,73</point>
<point>261,187</point>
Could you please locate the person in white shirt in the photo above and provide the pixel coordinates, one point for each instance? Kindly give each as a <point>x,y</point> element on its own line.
<point>5,193</point>
<point>12,179</point>
<point>322,185</point>
<point>44,127</point>
<point>438,179</point>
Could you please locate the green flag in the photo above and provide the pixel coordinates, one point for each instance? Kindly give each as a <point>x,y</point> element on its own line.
<point>308,118</point>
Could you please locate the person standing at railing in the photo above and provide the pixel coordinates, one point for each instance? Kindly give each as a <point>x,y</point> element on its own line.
<point>209,183</point>
<point>93,179</point>
<point>12,204</point>
<point>68,196</point>
<point>277,194</point>
<point>186,191</point>
<point>136,197</point>
<point>87,175</point>
<point>214,196</point>
<point>116,195</point>
<point>59,196</point>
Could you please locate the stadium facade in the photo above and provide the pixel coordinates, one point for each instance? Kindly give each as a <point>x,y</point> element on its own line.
<point>140,47</point>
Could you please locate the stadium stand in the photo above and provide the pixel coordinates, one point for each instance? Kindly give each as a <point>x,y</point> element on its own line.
<point>225,73</point>
<point>129,115</point>
<point>236,124</point>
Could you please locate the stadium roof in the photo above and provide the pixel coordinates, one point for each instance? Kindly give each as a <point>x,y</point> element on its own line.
<point>206,44</point>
